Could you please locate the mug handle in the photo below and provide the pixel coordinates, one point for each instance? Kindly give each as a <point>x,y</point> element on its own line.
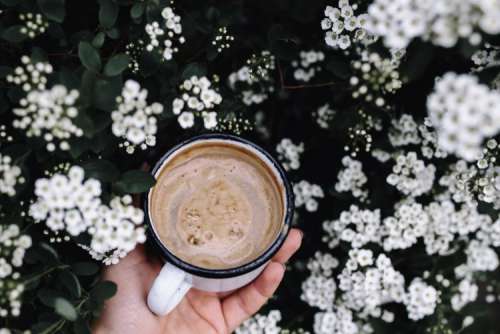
<point>168,289</point>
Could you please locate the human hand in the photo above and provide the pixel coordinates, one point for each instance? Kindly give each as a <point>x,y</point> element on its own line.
<point>199,312</point>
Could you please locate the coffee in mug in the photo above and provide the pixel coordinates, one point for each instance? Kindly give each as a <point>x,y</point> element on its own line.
<point>220,209</point>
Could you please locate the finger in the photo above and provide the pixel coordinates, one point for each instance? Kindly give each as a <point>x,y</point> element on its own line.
<point>290,246</point>
<point>243,303</point>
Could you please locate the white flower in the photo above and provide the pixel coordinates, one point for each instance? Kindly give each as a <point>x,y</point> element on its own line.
<point>443,22</point>
<point>343,26</point>
<point>13,246</point>
<point>339,321</point>
<point>289,153</point>
<point>135,121</point>
<point>70,204</point>
<point>411,176</point>
<point>164,39</point>
<point>351,179</point>
<point>324,116</point>
<point>49,114</point>
<point>358,227</point>
<point>10,176</point>
<point>198,99</point>
<point>467,293</point>
<point>186,120</point>
<point>305,68</point>
<point>409,223</point>
<point>34,24</point>
<point>420,300</point>
<point>306,194</point>
<point>464,113</point>
<point>261,324</point>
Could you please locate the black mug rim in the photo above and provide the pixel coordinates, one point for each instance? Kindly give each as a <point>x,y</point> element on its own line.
<point>242,269</point>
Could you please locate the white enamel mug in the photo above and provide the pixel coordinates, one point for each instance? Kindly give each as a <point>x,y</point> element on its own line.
<point>177,276</point>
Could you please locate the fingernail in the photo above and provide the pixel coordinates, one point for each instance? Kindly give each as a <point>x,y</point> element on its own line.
<point>284,266</point>
<point>301,233</point>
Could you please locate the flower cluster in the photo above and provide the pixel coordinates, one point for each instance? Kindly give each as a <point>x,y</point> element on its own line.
<point>368,283</point>
<point>222,40</point>
<point>308,65</point>
<point>289,153</point>
<point>261,324</point>
<point>443,22</point>
<point>343,27</point>
<point>306,194</point>
<point>351,178</point>
<point>420,300</point>
<point>30,76</point>
<point>198,98</point>
<point>164,39</point>
<point>339,321</point>
<point>467,293</point>
<point>404,131</point>
<point>355,226</point>
<point>49,114</point>
<point>70,204</point>
<point>374,78</point>
<point>411,176</point>
<point>464,113</point>
<point>134,120</point>
<point>254,79</point>
<point>485,58</point>
<point>318,290</point>
<point>324,116</point>
<point>10,176</point>
<point>34,24</point>
<point>408,224</point>
<point>13,245</point>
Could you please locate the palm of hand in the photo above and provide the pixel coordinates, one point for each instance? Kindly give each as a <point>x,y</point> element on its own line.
<point>199,312</point>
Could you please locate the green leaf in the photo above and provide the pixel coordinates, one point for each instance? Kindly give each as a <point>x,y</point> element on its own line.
<point>108,13</point>
<point>135,181</point>
<point>53,9</point>
<point>98,40</point>
<point>106,91</point>
<point>113,33</point>
<point>89,56</point>
<point>103,290</point>
<point>102,170</point>
<point>48,296</point>
<point>85,268</point>
<point>65,309</point>
<point>137,10</point>
<point>71,283</point>
<point>13,34</point>
<point>116,65</point>
<point>193,69</point>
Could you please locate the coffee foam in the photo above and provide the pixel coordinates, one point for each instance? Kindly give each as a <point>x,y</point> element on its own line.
<point>216,205</point>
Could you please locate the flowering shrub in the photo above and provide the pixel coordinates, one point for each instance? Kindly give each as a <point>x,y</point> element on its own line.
<point>385,114</point>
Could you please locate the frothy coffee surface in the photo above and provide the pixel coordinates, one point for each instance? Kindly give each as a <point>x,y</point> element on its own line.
<point>216,205</point>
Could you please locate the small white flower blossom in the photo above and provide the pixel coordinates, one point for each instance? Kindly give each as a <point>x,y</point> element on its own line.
<point>10,176</point>
<point>343,27</point>
<point>164,38</point>
<point>13,246</point>
<point>324,116</point>
<point>197,99</point>
<point>351,178</point>
<point>420,300</point>
<point>443,22</point>
<point>289,153</point>
<point>306,195</point>
<point>69,204</point>
<point>261,324</point>
<point>411,176</point>
<point>134,120</point>
<point>464,113</point>
<point>30,76</point>
<point>34,24</point>
<point>49,114</point>
<point>307,67</point>
<point>408,224</point>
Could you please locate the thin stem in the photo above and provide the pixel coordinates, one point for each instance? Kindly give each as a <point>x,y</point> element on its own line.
<point>43,273</point>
